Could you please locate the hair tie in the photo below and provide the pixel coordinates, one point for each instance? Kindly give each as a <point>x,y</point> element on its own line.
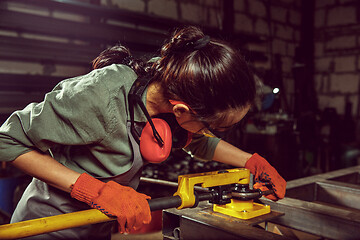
<point>201,43</point>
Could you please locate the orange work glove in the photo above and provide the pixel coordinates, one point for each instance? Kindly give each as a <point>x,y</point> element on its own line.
<point>130,207</point>
<point>266,177</point>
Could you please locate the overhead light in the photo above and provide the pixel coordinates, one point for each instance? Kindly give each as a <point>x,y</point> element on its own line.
<point>276,90</point>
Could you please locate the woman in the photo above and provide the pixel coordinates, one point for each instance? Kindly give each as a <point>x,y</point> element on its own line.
<point>84,137</point>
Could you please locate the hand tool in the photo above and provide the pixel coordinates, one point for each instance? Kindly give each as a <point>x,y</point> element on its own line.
<point>228,190</point>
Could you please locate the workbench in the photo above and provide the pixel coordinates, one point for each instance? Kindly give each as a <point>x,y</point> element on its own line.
<point>203,223</point>
<point>326,205</point>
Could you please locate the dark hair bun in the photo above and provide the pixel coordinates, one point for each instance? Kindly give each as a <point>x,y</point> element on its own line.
<point>182,40</point>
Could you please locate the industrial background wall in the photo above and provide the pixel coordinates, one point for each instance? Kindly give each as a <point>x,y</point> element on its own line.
<point>268,31</point>
<point>305,51</point>
<point>305,54</point>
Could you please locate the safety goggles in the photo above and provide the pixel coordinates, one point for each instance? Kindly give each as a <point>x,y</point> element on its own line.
<point>207,130</point>
<point>219,132</point>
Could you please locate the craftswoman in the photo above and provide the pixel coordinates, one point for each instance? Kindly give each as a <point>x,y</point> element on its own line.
<point>86,142</point>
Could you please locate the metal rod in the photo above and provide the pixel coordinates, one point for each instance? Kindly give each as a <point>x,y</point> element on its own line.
<point>164,203</point>
<point>76,219</point>
<point>159,182</point>
<point>250,195</point>
<point>205,196</point>
<point>52,224</point>
<point>169,184</point>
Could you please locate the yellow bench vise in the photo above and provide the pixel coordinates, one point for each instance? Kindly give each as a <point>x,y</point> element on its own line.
<point>230,193</point>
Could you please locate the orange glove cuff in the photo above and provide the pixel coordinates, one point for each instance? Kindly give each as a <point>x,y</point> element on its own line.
<point>250,163</point>
<point>86,188</point>
<point>131,208</point>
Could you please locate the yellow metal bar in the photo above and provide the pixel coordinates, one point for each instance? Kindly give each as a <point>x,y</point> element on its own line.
<point>208,179</point>
<point>52,224</point>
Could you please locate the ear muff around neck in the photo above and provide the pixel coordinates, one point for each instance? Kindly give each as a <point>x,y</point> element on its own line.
<point>151,138</point>
<point>160,133</point>
<point>150,148</point>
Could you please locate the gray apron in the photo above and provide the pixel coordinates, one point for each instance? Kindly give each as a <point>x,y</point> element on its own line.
<point>42,200</point>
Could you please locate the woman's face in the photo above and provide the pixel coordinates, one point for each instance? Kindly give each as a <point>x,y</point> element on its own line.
<point>228,120</point>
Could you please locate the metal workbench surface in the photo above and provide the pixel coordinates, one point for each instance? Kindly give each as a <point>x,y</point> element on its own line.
<point>326,205</point>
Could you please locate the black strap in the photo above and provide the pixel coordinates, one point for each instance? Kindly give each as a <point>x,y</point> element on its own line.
<point>134,97</point>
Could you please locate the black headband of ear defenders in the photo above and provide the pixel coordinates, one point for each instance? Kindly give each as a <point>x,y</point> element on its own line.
<point>134,97</point>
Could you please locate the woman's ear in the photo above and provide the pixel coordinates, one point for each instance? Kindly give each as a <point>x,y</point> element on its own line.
<point>179,109</point>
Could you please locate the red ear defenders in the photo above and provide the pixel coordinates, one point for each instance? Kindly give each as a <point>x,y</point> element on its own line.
<point>160,134</point>
<point>152,150</point>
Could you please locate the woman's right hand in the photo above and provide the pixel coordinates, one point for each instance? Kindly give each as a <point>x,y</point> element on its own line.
<point>129,207</point>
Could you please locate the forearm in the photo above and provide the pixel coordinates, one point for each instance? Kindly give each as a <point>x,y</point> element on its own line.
<point>47,169</point>
<point>229,154</point>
